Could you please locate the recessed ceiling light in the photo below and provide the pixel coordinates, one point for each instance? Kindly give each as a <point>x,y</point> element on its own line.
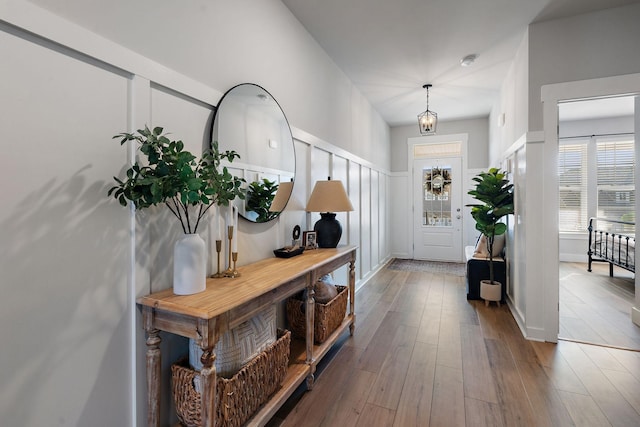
<point>468,60</point>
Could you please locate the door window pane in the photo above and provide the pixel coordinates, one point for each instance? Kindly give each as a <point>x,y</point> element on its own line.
<point>436,207</point>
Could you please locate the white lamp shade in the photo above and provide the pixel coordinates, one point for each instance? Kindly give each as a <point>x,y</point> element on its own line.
<point>329,196</point>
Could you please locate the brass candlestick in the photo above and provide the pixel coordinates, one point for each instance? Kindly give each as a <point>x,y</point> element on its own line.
<point>229,271</point>
<point>218,249</point>
<point>235,272</point>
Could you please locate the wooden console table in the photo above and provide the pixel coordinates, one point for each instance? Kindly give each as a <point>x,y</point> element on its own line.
<point>228,302</point>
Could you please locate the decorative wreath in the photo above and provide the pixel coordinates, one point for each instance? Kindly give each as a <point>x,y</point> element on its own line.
<point>437,181</point>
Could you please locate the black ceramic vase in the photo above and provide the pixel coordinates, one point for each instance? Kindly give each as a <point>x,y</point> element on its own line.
<point>329,230</point>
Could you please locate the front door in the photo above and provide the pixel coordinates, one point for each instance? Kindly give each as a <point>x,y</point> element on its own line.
<point>437,209</point>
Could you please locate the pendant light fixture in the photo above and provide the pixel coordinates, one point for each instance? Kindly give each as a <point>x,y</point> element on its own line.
<point>427,120</point>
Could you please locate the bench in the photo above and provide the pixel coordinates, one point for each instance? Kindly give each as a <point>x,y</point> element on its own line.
<point>478,269</point>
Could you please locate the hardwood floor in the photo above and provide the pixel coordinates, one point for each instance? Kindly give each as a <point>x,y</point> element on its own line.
<point>422,355</point>
<point>596,308</point>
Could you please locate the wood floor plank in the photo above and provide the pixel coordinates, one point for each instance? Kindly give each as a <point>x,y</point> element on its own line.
<point>411,303</point>
<point>627,385</point>
<point>314,405</point>
<point>366,328</point>
<point>447,408</point>
<point>584,411</point>
<point>482,414</point>
<point>347,409</point>
<point>391,378</point>
<point>376,351</point>
<point>615,407</point>
<point>557,368</point>
<point>519,346</point>
<point>600,325</point>
<point>429,330</point>
<point>546,404</point>
<point>629,359</point>
<point>595,307</point>
<point>414,407</point>
<point>516,410</point>
<point>375,416</point>
<point>489,322</point>
<point>601,357</point>
<point>449,347</point>
<point>478,381</point>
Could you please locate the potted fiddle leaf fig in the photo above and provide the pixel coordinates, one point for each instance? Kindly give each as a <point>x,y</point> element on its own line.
<point>188,187</point>
<point>495,193</point>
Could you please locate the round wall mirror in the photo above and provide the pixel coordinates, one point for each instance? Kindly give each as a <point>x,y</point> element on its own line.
<point>250,121</point>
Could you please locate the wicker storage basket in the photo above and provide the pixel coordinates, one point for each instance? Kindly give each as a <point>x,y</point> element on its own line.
<point>238,397</point>
<point>327,316</point>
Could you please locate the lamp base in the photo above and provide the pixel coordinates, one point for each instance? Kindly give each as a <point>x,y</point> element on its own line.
<point>329,230</point>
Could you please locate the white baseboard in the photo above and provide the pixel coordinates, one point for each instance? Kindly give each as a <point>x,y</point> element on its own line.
<point>360,283</point>
<point>573,258</point>
<point>532,334</point>
<point>401,255</point>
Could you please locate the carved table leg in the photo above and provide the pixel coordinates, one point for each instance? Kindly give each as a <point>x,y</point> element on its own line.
<point>352,295</point>
<point>310,310</point>
<point>311,379</point>
<point>153,378</point>
<point>209,383</point>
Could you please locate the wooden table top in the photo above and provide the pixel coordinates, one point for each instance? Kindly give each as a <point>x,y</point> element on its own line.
<point>255,279</point>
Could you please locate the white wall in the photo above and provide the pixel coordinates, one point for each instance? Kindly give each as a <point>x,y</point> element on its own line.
<point>222,43</point>
<point>66,310</point>
<point>400,180</point>
<point>509,116</point>
<point>587,46</point>
<point>582,47</point>
<point>478,130</point>
<point>73,261</point>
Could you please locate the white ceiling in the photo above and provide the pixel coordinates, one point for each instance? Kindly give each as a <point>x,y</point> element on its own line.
<point>389,49</point>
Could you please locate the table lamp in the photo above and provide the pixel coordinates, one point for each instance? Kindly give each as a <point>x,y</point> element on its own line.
<point>327,198</point>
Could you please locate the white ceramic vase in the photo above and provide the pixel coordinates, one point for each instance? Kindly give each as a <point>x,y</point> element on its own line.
<point>189,265</point>
<point>490,292</point>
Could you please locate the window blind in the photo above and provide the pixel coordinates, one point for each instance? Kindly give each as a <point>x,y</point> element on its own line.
<point>616,189</point>
<point>572,191</point>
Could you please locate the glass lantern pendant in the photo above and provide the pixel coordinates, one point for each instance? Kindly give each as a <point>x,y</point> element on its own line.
<point>427,120</point>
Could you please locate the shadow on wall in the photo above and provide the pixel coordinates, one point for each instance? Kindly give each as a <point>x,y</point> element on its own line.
<point>63,314</point>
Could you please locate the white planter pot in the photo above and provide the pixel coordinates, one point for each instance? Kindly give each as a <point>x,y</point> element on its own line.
<point>189,265</point>
<point>490,292</point>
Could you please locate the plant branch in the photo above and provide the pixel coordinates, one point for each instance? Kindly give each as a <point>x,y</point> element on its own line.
<point>195,227</point>
<point>176,211</point>
<point>185,208</point>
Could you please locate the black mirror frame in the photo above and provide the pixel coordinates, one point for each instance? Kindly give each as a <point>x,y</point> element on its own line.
<point>222,148</point>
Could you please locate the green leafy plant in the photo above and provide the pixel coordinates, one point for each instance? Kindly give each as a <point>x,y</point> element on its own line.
<point>496,194</point>
<point>260,194</point>
<point>172,176</point>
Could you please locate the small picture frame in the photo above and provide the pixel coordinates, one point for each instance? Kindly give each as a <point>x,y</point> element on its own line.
<point>309,239</point>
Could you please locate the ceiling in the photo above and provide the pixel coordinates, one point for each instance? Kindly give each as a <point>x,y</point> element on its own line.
<point>390,49</point>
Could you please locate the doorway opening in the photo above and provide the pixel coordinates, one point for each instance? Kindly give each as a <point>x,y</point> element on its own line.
<point>596,179</point>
